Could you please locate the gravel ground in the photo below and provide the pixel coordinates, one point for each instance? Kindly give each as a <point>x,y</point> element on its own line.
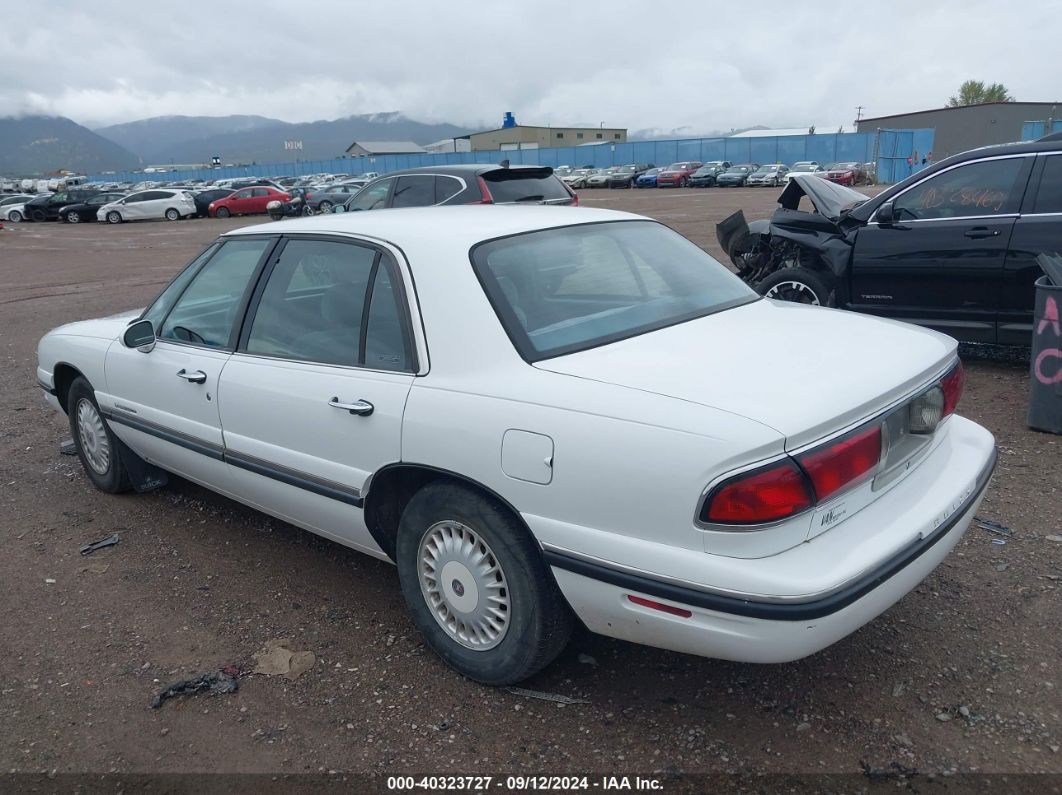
<point>962,676</point>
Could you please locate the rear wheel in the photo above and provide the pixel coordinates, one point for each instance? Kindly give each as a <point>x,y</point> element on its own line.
<point>114,217</point>
<point>477,587</point>
<point>798,285</point>
<point>15,217</point>
<point>172,215</point>
<point>95,444</point>
<point>325,206</point>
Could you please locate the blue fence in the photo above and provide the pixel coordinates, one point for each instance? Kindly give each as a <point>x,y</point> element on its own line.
<point>902,152</point>
<point>860,147</point>
<point>1032,130</point>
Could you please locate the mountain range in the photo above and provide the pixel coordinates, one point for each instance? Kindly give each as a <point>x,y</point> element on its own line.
<point>41,144</point>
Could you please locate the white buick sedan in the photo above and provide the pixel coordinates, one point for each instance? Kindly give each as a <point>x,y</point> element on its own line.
<point>542,414</point>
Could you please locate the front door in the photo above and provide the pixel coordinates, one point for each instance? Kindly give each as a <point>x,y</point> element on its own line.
<point>940,263</point>
<point>312,400</point>
<point>164,403</point>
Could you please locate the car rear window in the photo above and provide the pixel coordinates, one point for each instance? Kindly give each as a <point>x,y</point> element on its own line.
<point>558,291</point>
<point>524,185</point>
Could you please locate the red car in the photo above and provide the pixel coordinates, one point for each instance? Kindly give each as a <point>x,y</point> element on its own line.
<point>246,201</point>
<point>677,175</point>
<point>846,174</point>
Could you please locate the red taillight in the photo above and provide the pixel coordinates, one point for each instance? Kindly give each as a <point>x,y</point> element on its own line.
<point>765,495</point>
<point>842,463</point>
<point>663,608</point>
<point>952,385</point>
<point>487,198</point>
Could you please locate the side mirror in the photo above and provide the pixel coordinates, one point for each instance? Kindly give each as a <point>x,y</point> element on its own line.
<point>140,335</point>
<point>885,214</point>
<point>339,208</point>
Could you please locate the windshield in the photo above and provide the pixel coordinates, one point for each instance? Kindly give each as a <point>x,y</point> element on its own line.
<point>842,166</point>
<point>767,169</point>
<point>737,169</point>
<point>558,291</point>
<point>803,167</point>
<point>700,172</point>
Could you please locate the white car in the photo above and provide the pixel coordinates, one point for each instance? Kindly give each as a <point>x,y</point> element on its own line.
<point>158,203</point>
<point>540,414</point>
<point>14,212</point>
<point>805,167</point>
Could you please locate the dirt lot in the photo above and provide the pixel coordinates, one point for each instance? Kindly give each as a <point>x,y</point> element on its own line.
<point>963,675</point>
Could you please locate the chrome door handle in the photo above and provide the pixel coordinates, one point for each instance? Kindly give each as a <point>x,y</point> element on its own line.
<point>194,377</point>
<point>361,407</point>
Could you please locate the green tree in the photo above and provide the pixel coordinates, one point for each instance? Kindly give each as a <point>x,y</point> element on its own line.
<point>974,92</point>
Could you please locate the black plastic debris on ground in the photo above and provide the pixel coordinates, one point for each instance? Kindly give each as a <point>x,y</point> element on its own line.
<point>225,680</point>
<point>109,541</point>
<point>993,527</point>
<point>66,447</point>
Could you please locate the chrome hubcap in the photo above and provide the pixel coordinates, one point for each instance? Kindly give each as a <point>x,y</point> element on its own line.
<point>464,585</point>
<point>93,436</point>
<point>797,292</point>
<point>73,218</point>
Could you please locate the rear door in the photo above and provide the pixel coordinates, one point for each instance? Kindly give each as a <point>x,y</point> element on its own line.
<point>940,263</point>
<point>1037,230</point>
<point>312,401</point>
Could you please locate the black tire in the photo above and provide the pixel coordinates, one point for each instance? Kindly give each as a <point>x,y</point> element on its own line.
<point>222,212</point>
<point>325,207</point>
<point>173,214</point>
<point>114,217</point>
<point>539,620</point>
<point>39,216</point>
<point>15,217</point>
<point>113,478</point>
<point>799,285</point>
<point>72,217</point>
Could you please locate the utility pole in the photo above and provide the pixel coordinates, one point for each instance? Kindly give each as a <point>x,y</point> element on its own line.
<point>859,115</point>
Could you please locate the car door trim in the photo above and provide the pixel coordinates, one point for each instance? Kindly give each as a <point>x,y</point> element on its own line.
<point>297,478</point>
<point>292,477</point>
<point>759,606</point>
<point>188,442</point>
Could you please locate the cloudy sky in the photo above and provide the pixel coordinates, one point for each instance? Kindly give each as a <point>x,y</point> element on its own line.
<point>691,67</point>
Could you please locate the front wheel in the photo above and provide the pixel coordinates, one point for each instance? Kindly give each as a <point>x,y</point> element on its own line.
<point>477,587</point>
<point>73,217</point>
<point>798,285</point>
<point>325,207</point>
<point>95,444</point>
<point>222,212</point>
<point>114,217</point>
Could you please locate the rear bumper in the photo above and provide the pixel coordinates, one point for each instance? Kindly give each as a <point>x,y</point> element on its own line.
<point>759,629</point>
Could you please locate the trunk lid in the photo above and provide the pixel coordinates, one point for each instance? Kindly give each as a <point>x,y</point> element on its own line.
<point>803,371</point>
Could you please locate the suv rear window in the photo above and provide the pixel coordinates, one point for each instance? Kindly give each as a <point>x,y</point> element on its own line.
<point>525,185</point>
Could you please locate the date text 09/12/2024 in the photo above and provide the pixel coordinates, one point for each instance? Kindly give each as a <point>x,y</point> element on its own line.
<point>517,783</point>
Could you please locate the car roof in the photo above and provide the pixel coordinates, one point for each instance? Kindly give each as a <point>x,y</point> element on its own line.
<point>462,169</point>
<point>463,226</point>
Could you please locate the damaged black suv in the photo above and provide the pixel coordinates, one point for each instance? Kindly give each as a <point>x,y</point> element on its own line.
<point>952,247</point>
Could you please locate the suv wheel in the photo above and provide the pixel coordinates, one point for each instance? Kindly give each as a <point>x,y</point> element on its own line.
<point>798,285</point>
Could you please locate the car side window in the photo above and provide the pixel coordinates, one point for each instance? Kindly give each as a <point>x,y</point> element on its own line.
<point>415,190</point>
<point>242,194</point>
<point>975,189</point>
<point>1049,194</point>
<point>312,307</point>
<point>373,197</point>
<point>161,306</point>
<point>136,197</point>
<point>386,343</point>
<point>260,192</point>
<point>206,311</point>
